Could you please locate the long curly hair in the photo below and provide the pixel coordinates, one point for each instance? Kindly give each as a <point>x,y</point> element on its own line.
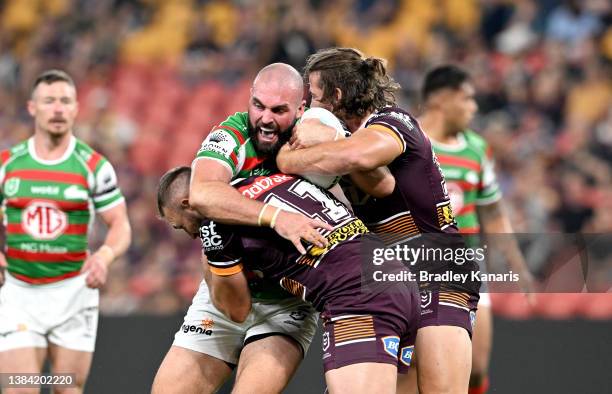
<point>364,82</point>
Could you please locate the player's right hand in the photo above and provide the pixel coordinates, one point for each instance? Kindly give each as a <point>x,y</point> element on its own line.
<point>311,132</point>
<point>296,227</point>
<point>3,266</point>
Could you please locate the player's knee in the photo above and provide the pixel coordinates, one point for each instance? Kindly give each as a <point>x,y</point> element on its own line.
<point>76,388</point>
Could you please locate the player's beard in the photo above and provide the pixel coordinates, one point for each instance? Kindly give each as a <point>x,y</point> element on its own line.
<point>270,150</point>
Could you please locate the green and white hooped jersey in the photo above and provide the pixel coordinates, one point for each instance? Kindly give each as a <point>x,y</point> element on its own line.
<point>49,206</point>
<point>469,172</point>
<point>229,144</point>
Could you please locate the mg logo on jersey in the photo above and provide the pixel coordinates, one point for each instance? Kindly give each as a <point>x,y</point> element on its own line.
<point>210,239</point>
<point>11,187</point>
<point>44,220</point>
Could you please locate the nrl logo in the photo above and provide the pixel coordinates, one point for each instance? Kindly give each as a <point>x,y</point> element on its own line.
<point>11,187</point>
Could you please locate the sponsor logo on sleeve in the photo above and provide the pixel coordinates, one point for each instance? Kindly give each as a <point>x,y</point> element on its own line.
<point>211,240</point>
<point>219,142</point>
<point>401,117</point>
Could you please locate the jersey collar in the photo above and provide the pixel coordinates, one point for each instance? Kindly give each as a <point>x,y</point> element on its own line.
<point>459,146</point>
<point>67,153</point>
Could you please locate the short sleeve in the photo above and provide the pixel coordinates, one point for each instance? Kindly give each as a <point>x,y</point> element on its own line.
<point>396,122</point>
<point>222,247</point>
<point>488,189</point>
<point>223,146</point>
<point>106,192</point>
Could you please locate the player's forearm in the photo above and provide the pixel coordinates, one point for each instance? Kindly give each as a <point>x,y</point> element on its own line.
<point>330,158</point>
<point>118,238</point>
<point>378,182</point>
<point>231,295</point>
<point>221,202</point>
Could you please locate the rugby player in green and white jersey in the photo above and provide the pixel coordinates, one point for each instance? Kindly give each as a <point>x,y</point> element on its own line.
<point>51,185</point>
<point>466,162</point>
<point>271,339</point>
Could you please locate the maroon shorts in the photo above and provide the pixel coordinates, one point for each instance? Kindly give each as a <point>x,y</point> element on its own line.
<point>383,331</point>
<point>448,308</point>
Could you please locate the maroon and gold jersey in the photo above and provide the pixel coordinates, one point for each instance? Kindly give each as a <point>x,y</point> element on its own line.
<point>418,212</point>
<point>319,275</point>
<point>420,203</point>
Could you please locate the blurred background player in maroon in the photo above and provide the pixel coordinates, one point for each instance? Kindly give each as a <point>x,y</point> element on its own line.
<point>465,159</point>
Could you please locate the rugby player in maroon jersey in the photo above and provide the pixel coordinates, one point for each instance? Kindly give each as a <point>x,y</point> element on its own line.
<point>359,92</point>
<point>369,328</point>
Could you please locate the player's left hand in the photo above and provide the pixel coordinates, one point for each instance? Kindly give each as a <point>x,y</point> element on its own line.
<point>96,267</point>
<point>311,132</point>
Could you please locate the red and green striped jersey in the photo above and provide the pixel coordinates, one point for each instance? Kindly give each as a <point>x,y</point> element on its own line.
<point>48,207</point>
<point>229,144</point>
<point>470,177</point>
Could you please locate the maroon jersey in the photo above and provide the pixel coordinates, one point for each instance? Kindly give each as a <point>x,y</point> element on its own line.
<point>418,212</point>
<point>363,321</point>
<point>335,272</point>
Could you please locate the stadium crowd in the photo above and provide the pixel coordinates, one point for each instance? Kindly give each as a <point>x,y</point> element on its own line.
<point>155,75</point>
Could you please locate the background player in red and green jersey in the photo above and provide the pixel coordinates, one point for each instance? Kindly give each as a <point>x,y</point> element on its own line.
<point>467,164</point>
<point>51,187</point>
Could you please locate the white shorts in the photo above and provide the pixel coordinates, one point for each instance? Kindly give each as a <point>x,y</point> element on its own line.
<point>64,313</point>
<point>207,330</point>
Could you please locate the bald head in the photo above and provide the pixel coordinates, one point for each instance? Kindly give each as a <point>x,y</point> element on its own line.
<point>282,78</point>
<point>275,105</point>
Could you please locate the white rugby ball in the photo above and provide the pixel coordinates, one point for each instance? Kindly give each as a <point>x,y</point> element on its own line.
<point>328,119</point>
